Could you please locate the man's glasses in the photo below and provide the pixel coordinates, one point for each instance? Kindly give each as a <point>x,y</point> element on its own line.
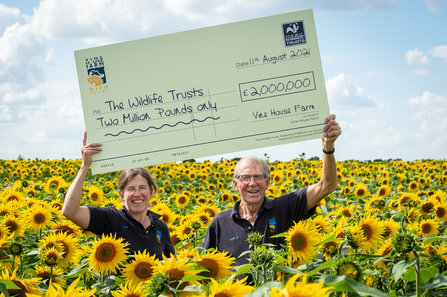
<point>247,178</point>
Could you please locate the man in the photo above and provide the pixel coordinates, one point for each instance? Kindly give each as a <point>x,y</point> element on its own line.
<point>229,229</point>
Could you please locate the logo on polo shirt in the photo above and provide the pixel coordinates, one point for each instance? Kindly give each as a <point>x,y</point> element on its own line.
<point>159,236</point>
<point>272,225</point>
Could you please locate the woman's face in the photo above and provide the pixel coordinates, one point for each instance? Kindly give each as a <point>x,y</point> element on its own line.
<point>136,195</point>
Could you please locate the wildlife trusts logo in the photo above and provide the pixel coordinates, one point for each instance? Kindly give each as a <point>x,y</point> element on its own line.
<point>294,33</point>
<point>96,75</point>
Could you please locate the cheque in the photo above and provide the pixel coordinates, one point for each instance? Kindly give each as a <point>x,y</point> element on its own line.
<point>203,92</point>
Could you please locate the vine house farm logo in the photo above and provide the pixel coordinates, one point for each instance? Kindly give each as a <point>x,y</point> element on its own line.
<point>294,33</point>
<point>96,75</point>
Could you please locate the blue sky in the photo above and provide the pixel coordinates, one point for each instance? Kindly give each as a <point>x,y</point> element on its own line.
<point>384,62</point>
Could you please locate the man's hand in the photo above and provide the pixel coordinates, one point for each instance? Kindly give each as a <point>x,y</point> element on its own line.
<point>331,132</point>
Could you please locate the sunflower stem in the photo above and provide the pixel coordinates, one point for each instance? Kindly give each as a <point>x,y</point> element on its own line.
<point>417,269</point>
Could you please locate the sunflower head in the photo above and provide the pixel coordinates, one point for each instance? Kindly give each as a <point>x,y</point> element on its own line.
<point>349,267</point>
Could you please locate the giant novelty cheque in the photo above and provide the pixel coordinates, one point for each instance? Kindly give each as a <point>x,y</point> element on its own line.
<point>203,92</point>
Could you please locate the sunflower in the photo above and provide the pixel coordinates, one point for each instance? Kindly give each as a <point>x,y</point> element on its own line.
<point>301,240</point>
<point>384,191</point>
<point>27,286</point>
<point>407,200</point>
<point>51,256</point>
<point>129,290</point>
<point>45,273</point>
<point>384,251</point>
<point>413,215</point>
<point>167,215</point>
<point>211,210</point>
<point>108,254</point>
<point>176,269</point>
<point>348,266</point>
<point>372,230</point>
<point>361,191</point>
<point>12,195</point>
<point>441,212</point>
<point>429,227</point>
<point>390,227</point>
<point>277,177</point>
<point>53,184</point>
<point>355,236</point>
<point>6,209</point>
<point>56,289</point>
<point>13,224</point>
<point>37,218</point>
<point>217,263</point>
<point>95,195</point>
<point>204,217</point>
<point>69,245</point>
<point>225,196</point>
<point>67,227</point>
<point>413,186</point>
<point>301,289</point>
<point>329,248</point>
<point>182,200</point>
<point>184,231</point>
<point>229,289</point>
<point>140,269</point>
<point>427,206</point>
<point>346,211</point>
<point>322,224</point>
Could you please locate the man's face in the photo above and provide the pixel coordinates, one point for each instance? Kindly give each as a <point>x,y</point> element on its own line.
<point>253,192</point>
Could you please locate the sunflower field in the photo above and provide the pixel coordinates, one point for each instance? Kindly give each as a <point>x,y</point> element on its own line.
<point>381,233</point>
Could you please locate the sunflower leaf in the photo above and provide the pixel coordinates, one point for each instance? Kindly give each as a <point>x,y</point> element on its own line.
<point>325,265</point>
<point>329,239</point>
<point>284,234</point>
<point>3,289</point>
<point>343,283</point>
<point>192,277</point>
<point>428,273</point>
<point>9,285</point>
<point>244,269</point>
<point>432,239</point>
<point>286,269</point>
<point>439,281</point>
<point>264,290</point>
<point>400,268</point>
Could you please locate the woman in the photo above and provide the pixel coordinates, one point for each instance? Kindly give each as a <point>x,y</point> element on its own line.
<point>139,226</point>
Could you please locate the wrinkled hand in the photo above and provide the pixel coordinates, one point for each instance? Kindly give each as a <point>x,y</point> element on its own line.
<point>88,149</point>
<point>331,132</point>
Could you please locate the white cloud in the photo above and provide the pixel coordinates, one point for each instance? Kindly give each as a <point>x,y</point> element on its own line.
<point>8,16</point>
<point>417,57</point>
<point>421,72</point>
<point>5,113</point>
<point>431,111</point>
<point>435,5</point>
<point>342,93</point>
<point>429,99</point>
<point>439,51</point>
<point>50,55</point>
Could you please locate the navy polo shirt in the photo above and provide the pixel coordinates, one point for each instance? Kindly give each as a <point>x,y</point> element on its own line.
<point>229,232</point>
<point>155,239</point>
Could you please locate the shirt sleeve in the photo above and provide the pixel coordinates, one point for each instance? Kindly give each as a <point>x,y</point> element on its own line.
<point>296,205</point>
<point>211,238</point>
<point>99,216</point>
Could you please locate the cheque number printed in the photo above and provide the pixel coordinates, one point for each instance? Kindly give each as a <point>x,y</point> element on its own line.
<point>277,86</point>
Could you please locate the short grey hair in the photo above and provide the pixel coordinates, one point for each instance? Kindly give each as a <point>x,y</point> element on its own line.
<point>255,161</point>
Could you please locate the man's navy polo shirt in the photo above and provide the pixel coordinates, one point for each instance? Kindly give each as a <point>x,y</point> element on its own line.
<point>229,232</point>
<point>155,239</point>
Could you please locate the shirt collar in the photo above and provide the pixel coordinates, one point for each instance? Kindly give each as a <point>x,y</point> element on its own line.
<point>152,215</point>
<point>268,204</point>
